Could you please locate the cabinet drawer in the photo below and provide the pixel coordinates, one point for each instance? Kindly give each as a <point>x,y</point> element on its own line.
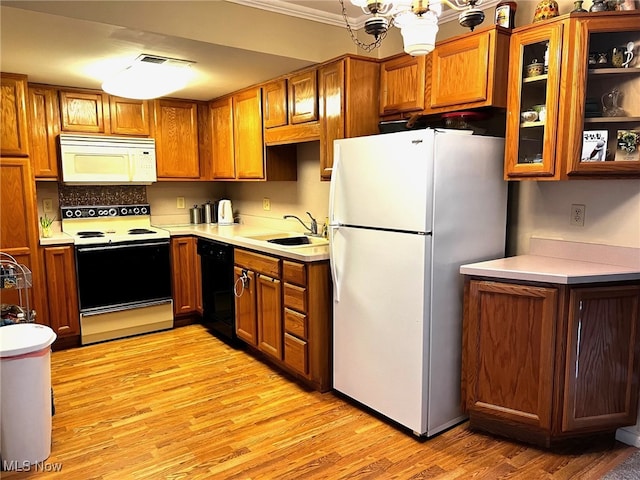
<point>294,273</point>
<point>295,323</point>
<point>258,263</point>
<point>296,353</point>
<point>295,297</point>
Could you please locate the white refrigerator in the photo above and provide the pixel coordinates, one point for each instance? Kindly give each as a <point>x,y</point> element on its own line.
<point>405,211</point>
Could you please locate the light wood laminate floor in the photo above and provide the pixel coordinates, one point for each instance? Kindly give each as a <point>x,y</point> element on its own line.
<point>180,404</point>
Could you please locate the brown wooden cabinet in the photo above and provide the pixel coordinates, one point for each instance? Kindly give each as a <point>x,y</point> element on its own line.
<point>303,97</point>
<point>84,111</point>
<point>62,296</point>
<point>286,315</point>
<point>574,94</point>
<point>275,103</point>
<point>545,363</point>
<point>469,71</point>
<point>348,103</point>
<point>175,128</point>
<point>259,315</point>
<point>129,116</point>
<point>402,84</point>
<point>186,276</point>
<point>44,127</point>
<point>237,148</point>
<point>14,140</point>
<point>18,227</point>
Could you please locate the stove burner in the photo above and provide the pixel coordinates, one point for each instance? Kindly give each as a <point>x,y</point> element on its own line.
<point>90,234</point>
<point>140,231</point>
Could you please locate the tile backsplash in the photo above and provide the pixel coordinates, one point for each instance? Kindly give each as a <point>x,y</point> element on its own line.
<point>72,196</point>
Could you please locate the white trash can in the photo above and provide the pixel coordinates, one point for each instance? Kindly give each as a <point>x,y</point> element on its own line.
<point>25,394</point>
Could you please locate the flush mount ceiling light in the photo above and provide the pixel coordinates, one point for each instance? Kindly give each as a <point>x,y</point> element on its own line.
<point>150,76</point>
<point>417,20</point>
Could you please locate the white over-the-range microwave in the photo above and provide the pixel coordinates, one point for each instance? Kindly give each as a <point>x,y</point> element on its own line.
<point>107,160</point>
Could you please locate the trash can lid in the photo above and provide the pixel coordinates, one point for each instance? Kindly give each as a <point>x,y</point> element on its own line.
<point>24,338</point>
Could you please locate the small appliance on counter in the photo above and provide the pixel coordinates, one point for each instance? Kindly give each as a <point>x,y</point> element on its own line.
<point>225,212</point>
<point>209,212</point>
<point>195,215</point>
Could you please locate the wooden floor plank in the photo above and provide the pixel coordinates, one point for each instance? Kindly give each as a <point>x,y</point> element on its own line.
<point>180,404</point>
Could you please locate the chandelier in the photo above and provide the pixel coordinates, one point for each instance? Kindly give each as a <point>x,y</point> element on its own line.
<point>416,19</point>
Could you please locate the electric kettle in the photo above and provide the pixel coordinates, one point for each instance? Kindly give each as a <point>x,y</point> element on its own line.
<point>225,212</point>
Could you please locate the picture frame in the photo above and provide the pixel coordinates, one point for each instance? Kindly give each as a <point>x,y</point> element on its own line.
<point>594,145</point>
<point>627,146</point>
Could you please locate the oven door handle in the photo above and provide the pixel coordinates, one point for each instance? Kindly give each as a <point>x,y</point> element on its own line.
<point>115,246</point>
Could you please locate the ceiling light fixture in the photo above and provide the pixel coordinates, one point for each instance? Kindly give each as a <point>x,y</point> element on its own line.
<point>417,20</point>
<point>150,76</point>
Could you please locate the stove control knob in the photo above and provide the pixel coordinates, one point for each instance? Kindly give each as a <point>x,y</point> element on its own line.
<point>92,212</point>
<point>143,210</point>
<point>68,213</point>
<point>136,210</point>
<point>77,213</point>
<point>113,212</point>
<point>123,211</point>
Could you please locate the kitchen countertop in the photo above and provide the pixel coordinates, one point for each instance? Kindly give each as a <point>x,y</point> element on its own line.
<point>236,235</point>
<point>563,262</point>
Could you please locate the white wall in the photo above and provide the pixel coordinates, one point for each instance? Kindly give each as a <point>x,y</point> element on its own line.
<point>612,213</point>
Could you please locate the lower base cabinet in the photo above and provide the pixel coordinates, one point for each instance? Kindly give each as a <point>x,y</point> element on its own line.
<point>62,297</point>
<point>186,279</point>
<point>546,363</point>
<point>283,311</point>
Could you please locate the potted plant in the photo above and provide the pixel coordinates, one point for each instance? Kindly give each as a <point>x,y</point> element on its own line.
<point>45,223</point>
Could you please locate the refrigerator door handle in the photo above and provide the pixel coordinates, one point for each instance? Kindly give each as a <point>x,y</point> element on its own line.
<point>332,187</point>
<point>332,263</point>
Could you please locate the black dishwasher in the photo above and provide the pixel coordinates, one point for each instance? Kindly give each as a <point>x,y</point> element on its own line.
<point>218,305</point>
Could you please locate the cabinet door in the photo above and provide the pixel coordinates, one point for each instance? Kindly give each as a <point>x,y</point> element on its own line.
<point>509,352</point>
<point>402,83</point>
<point>275,103</point>
<point>530,149</point>
<point>603,358</point>
<point>176,133</point>
<point>62,296</point>
<point>331,98</point>
<point>247,134</point>
<point>18,226</point>
<point>185,278</point>
<point>129,116</point>
<point>83,111</point>
<point>14,138</point>
<point>604,99</point>
<point>246,318</point>
<point>224,166</point>
<point>303,97</point>
<point>44,125</point>
<point>269,308</point>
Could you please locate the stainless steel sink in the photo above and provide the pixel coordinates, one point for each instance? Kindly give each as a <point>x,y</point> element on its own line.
<point>291,240</point>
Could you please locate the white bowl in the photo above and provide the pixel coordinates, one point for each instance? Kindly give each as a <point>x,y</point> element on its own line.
<point>529,116</point>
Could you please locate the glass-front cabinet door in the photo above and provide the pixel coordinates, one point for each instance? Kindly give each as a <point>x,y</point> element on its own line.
<point>533,100</point>
<point>603,116</point>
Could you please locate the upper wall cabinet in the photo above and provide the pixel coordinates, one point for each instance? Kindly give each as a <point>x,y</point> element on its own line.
<point>469,71</point>
<point>237,148</point>
<point>290,108</point>
<point>402,84</point>
<point>84,111</point>
<point>14,140</point>
<point>577,115</point>
<point>44,127</point>
<point>129,116</point>
<point>175,124</point>
<point>348,95</point>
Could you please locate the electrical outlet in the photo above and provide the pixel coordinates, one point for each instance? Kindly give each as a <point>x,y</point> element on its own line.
<point>47,205</point>
<point>577,215</point>
<point>180,202</point>
<point>266,204</point>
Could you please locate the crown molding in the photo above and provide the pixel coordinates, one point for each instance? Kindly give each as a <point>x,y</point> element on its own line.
<point>306,13</point>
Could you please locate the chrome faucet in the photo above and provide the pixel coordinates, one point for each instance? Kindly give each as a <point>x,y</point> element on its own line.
<point>314,225</point>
